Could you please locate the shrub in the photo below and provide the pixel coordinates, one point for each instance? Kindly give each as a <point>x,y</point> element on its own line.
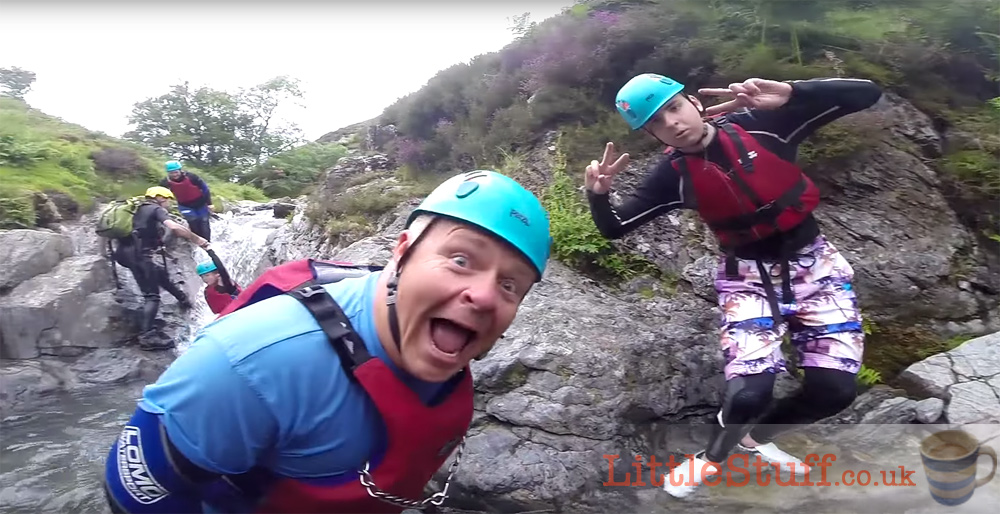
<point>119,162</point>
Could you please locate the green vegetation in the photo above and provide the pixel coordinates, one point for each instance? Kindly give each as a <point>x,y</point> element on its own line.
<point>43,154</point>
<point>562,75</point>
<point>16,82</point>
<point>891,346</point>
<point>235,136</point>
<point>577,241</point>
<point>294,171</point>
<point>972,168</point>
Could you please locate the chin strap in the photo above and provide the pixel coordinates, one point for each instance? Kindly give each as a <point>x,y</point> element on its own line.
<point>390,301</point>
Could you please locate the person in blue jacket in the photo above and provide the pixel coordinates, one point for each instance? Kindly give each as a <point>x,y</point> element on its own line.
<point>194,199</point>
<point>267,412</point>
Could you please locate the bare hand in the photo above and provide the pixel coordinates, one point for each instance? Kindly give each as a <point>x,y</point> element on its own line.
<point>751,93</point>
<point>599,175</point>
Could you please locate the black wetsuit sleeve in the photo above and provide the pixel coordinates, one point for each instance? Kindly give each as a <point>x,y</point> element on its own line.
<point>160,214</point>
<point>813,103</point>
<point>657,194</point>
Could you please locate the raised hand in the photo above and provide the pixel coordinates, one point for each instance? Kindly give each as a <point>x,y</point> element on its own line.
<point>599,175</point>
<point>751,93</point>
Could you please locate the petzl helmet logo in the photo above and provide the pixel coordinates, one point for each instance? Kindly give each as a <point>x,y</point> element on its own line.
<point>134,472</point>
<point>519,216</point>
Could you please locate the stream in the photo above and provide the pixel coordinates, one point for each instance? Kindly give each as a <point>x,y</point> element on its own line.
<point>52,458</point>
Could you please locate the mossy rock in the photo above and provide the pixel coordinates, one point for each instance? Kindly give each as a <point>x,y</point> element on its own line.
<point>892,346</point>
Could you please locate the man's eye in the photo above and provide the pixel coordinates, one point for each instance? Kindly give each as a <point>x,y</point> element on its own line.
<point>509,286</point>
<point>460,260</point>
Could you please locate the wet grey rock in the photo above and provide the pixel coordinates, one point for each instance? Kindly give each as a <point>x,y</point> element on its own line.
<point>966,379</point>
<point>67,325</point>
<point>27,253</point>
<point>929,410</point>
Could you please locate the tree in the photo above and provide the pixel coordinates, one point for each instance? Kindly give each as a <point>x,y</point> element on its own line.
<point>16,81</point>
<point>198,126</point>
<point>265,135</point>
<point>223,133</point>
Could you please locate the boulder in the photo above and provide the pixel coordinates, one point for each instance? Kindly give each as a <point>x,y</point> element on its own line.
<point>27,253</point>
<point>966,379</point>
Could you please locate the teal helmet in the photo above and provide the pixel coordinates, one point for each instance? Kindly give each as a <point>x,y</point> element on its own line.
<point>173,166</point>
<point>497,204</point>
<point>643,95</point>
<point>205,267</point>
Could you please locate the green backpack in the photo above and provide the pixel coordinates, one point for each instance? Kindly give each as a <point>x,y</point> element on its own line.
<point>115,221</point>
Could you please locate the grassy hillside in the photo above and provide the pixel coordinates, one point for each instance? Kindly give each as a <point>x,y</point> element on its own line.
<point>41,153</point>
<point>563,74</point>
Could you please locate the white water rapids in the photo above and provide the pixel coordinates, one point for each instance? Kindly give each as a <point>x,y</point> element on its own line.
<point>52,458</point>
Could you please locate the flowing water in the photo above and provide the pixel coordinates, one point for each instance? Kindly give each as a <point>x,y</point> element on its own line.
<point>52,454</point>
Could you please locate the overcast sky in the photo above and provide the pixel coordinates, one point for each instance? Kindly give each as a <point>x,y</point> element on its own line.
<point>94,59</point>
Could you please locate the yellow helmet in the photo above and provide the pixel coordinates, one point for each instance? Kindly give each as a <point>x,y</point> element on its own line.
<point>155,191</point>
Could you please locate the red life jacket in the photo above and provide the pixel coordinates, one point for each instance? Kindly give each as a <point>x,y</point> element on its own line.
<point>759,195</point>
<point>185,191</point>
<point>420,438</point>
<point>218,300</point>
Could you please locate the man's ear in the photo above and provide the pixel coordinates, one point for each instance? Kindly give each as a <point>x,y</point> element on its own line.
<point>697,104</point>
<point>402,245</point>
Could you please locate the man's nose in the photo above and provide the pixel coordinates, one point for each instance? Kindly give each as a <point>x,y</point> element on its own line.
<point>482,292</point>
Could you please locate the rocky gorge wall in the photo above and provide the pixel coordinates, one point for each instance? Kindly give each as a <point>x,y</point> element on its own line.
<point>587,369</point>
<point>65,324</point>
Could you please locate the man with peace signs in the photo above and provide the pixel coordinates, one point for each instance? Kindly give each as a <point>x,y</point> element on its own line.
<point>734,163</point>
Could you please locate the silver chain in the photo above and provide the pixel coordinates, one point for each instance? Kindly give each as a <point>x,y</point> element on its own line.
<point>435,499</point>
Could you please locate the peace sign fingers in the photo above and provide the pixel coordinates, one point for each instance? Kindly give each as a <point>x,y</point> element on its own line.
<point>612,168</point>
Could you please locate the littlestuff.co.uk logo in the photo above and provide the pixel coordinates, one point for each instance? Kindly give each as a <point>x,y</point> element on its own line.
<point>949,459</point>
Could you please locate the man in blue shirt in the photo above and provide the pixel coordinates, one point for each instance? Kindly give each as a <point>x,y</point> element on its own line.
<point>273,410</point>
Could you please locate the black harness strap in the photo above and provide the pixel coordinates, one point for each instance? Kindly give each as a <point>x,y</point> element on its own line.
<point>745,159</point>
<point>335,325</point>
<point>767,213</point>
<point>339,331</point>
<point>746,162</point>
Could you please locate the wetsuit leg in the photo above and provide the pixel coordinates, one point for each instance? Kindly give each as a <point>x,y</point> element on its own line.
<point>751,346</point>
<point>145,273</point>
<point>200,225</point>
<point>747,397</point>
<point>827,334</point>
<point>824,392</point>
<point>163,280</point>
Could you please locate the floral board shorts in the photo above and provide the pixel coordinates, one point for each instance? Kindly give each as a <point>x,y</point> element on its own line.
<point>824,319</point>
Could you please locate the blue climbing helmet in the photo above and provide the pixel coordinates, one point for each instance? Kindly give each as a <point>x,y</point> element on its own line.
<point>205,267</point>
<point>643,95</point>
<point>498,205</point>
<point>173,166</point>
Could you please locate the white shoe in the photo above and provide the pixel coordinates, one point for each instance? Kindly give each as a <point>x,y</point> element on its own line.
<point>682,482</point>
<point>770,453</point>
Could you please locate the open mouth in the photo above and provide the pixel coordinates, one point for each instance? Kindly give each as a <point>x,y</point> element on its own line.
<point>450,337</point>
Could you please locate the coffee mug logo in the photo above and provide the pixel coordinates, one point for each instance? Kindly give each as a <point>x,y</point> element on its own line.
<point>950,458</point>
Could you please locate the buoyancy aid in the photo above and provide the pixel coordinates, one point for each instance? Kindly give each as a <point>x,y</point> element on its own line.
<point>420,438</point>
<point>757,196</point>
<point>185,191</point>
<point>219,300</point>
